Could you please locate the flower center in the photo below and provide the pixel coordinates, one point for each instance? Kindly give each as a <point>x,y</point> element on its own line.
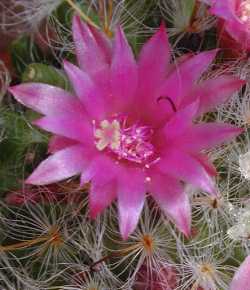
<point>132,143</point>
<point>244,12</point>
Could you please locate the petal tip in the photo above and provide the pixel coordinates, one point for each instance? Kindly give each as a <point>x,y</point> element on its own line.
<point>94,211</point>
<point>119,34</point>
<point>93,214</point>
<point>240,130</point>
<point>126,229</point>
<point>242,82</point>
<point>187,232</point>
<point>67,65</point>
<point>185,226</point>
<point>213,52</point>
<point>162,27</point>
<point>30,180</point>
<point>125,235</point>
<point>76,20</point>
<point>12,89</point>
<point>16,90</point>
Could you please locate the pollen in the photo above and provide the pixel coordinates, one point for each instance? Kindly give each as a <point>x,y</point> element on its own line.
<point>108,135</point>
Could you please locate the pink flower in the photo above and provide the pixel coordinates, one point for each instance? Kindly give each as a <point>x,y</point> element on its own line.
<point>235,15</point>
<point>128,127</point>
<point>241,278</point>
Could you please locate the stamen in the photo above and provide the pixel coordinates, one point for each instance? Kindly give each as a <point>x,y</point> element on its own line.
<point>132,143</point>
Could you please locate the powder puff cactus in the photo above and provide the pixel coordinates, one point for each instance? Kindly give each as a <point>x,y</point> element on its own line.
<point>235,15</point>
<point>128,127</point>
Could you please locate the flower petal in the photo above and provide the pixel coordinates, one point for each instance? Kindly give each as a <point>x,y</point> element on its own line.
<point>214,92</point>
<point>131,195</point>
<point>153,61</point>
<point>177,62</point>
<point>124,73</point>
<point>68,125</point>
<point>181,121</point>
<point>100,197</point>
<point>205,162</point>
<point>57,143</point>
<point>241,278</point>
<point>186,75</point>
<point>152,73</point>
<point>225,9</point>
<point>46,99</point>
<point>63,164</point>
<point>239,32</point>
<point>183,166</point>
<point>87,91</point>
<point>206,136</point>
<point>103,42</point>
<point>170,196</point>
<point>91,54</point>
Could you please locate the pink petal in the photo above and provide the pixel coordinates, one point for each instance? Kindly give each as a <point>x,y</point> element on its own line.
<point>206,136</point>
<point>170,196</point>
<point>100,197</point>
<point>152,73</point>
<point>177,62</point>
<point>57,143</point>
<point>153,61</point>
<point>131,195</point>
<point>123,71</point>
<point>68,125</point>
<point>238,31</point>
<point>101,170</point>
<point>87,91</point>
<point>63,164</point>
<point>205,162</point>
<point>213,92</point>
<point>241,278</point>
<point>183,166</point>
<point>46,99</point>
<point>225,9</point>
<point>181,121</point>
<point>92,55</point>
<point>103,42</point>
<point>186,75</point>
